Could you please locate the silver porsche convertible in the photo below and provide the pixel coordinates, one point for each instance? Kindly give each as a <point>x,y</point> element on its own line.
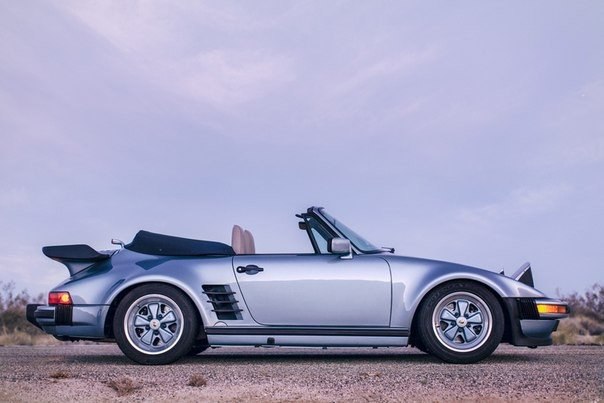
<point>162,297</point>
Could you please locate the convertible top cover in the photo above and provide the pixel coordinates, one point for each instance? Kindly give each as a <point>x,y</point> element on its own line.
<point>150,243</point>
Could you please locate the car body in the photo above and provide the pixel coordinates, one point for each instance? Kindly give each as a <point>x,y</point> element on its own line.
<point>163,297</point>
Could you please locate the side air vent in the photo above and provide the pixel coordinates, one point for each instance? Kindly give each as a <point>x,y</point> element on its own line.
<point>527,308</point>
<point>223,301</point>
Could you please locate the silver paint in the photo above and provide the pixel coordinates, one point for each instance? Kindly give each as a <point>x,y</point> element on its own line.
<point>369,290</point>
<point>316,290</point>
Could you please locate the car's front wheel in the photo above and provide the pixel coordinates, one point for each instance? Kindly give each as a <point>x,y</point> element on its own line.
<point>155,324</point>
<point>460,322</point>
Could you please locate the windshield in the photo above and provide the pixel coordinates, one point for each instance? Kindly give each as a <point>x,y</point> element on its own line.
<point>358,241</point>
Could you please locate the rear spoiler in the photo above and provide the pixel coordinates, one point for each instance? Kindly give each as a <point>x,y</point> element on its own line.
<point>524,274</point>
<point>75,257</point>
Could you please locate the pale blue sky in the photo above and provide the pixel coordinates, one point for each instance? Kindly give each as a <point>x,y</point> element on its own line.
<point>464,131</point>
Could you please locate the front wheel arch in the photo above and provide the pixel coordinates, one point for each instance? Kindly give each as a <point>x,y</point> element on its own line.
<point>413,334</point>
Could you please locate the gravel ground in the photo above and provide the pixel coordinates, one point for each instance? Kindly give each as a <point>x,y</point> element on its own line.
<point>86,373</point>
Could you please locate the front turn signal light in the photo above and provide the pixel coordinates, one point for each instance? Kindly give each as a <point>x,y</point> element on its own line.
<point>552,309</point>
<point>59,298</point>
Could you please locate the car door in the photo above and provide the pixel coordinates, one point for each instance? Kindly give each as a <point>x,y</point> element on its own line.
<point>315,289</point>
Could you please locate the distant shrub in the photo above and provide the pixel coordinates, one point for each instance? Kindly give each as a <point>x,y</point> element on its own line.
<point>575,330</point>
<point>586,322</point>
<point>591,304</point>
<point>14,327</point>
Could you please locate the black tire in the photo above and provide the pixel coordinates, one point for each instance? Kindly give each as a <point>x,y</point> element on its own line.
<point>460,322</point>
<point>197,349</point>
<point>200,344</point>
<point>420,346</point>
<point>155,324</point>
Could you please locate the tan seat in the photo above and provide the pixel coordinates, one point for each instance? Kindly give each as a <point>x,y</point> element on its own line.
<point>248,241</point>
<point>242,241</point>
<point>237,241</point>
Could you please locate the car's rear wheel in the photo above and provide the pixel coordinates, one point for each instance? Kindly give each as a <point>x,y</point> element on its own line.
<point>155,324</point>
<point>460,322</point>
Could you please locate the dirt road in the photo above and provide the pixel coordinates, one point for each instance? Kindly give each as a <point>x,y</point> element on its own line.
<point>87,373</point>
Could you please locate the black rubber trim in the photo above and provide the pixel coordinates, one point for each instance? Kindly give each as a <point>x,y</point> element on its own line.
<point>44,315</point>
<point>513,332</point>
<point>227,310</point>
<point>284,331</point>
<point>64,315</point>
<point>30,314</point>
<point>219,292</point>
<point>527,308</point>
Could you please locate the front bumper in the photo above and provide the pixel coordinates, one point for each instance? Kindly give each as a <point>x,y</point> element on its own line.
<point>69,322</point>
<point>525,326</point>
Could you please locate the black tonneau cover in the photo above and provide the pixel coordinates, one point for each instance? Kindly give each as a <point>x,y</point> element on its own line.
<point>150,243</point>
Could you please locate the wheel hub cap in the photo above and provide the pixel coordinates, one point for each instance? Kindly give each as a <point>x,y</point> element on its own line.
<point>461,322</point>
<point>154,324</point>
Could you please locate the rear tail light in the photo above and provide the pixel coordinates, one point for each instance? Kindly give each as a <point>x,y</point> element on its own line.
<point>59,298</point>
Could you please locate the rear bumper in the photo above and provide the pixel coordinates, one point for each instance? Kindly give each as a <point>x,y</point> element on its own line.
<point>525,326</point>
<point>69,321</point>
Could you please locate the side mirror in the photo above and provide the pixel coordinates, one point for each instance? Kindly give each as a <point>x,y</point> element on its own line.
<point>340,246</point>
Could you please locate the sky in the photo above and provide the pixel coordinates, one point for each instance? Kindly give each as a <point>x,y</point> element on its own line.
<point>470,132</point>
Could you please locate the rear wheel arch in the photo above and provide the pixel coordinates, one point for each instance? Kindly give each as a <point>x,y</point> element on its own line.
<point>156,323</point>
<point>109,333</point>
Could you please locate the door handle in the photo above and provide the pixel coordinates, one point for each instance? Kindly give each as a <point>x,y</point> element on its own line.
<point>249,269</point>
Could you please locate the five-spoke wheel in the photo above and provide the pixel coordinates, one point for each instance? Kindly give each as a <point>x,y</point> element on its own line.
<point>150,325</point>
<point>154,324</point>
<point>460,322</point>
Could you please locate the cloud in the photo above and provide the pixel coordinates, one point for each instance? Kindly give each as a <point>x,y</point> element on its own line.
<point>371,70</point>
<point>14,197</point>
<point>162,42</point>
<point>31,270</point>
<point>575,124</point>
<point>369,79</point>
<point>520,204</point>
<point>159,28</point>
<point>120,115</point>
<point>225,78</point>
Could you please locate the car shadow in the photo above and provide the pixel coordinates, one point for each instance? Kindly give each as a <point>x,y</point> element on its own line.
<point>308,358</point>
<point>284,357</point>
<point>349,358</point>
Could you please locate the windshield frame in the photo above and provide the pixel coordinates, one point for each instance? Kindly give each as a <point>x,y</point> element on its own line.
<point>359,242</point>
